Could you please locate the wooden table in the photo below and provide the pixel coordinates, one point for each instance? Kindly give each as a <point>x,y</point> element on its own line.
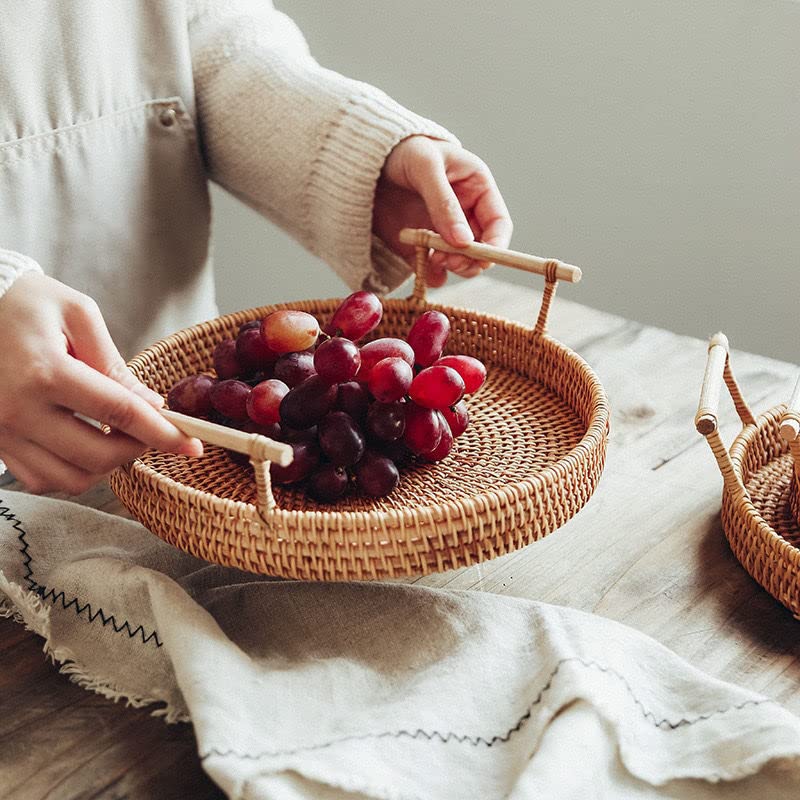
<point>648,550</point>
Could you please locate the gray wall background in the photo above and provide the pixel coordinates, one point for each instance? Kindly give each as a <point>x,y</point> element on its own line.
<point>656,145</point>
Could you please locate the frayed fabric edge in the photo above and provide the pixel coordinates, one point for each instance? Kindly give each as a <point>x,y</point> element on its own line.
<point>27,608</point>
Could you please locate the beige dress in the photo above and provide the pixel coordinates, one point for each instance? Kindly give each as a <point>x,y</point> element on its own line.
<point>114,116</point>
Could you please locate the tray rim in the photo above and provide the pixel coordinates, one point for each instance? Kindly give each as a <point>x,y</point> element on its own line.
<point>595,435</point>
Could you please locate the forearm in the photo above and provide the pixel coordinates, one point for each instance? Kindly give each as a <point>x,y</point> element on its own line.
<point>299,143</point>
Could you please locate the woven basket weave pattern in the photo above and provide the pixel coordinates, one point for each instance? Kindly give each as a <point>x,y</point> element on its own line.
<point>759,503</point>
<point>529,461</point>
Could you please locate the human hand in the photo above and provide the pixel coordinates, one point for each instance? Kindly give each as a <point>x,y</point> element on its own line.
<point>57,359</point>
<point>429,183</point>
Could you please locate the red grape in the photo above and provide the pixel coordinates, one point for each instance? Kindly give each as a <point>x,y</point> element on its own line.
<point>357,315</point>
<point>423,429</point>
<point>252,352</point>
<point>386,421</point>
<point>353,398</point>
<point>305,405</point>
<point>457,418</point>
<point>306,458</point>
<point>389,379</point>
<point>287,330</point>
<point>337,360</point>
<point>192,395</point>
<point>377,350</point>
<point>328,483</point>
<point>437,387</point>
<point>294,368</point>
<point>264,401</point>
<point>226,362</point>
<point>376,475</point>
<point>230,399</point>
<point>472,371</point>
<point>428,336</point>
<point>442,450</point>
<point>340,439</point>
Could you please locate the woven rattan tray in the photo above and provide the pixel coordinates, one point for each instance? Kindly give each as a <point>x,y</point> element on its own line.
<point>529,461</point>
<point>757,516</point>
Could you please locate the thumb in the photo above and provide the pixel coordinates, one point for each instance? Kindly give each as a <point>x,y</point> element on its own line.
<point>430,180</point>
<point>90,342</point>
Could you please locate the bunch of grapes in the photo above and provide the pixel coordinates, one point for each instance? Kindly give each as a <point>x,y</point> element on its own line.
<point>350,412</point>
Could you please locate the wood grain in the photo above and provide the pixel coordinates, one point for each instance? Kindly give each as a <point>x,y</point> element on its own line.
<point>647,550</point>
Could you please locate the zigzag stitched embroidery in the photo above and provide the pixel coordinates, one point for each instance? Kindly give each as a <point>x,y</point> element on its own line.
<point>55,596</point>
<point>475,741</point>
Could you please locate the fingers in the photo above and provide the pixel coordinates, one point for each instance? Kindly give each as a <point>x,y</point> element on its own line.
<point>83,445</point>
<point>89,341</point>
<point>43,471</point>
<point>429,178</point>
<point>83,389</point>
<point>492,215</point>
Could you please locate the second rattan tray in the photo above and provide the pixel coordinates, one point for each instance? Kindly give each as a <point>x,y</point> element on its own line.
<point>757,516</point>
<point>529,461</point>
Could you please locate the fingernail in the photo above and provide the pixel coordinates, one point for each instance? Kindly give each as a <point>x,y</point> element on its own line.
<point>193,448</point>
<point>146,393</point>
<point>462,233</point>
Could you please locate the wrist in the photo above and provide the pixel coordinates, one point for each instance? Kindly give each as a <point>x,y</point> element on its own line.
<point>14,265</point>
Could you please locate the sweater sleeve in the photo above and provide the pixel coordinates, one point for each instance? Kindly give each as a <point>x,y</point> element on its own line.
<point>12,265</point>
<point>299,143</point>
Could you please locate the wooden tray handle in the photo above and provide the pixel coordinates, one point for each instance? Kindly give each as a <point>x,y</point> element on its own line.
<point>553,270</point>
<point>261,450</point>
<point>790,422</point>
<point>718,368</point>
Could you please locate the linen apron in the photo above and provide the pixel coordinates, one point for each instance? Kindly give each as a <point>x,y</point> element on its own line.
<point>102,180</point>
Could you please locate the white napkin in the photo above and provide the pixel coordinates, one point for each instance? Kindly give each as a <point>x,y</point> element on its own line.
<point>302,690</point>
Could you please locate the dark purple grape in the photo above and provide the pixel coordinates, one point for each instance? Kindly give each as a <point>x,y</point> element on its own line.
<point>357,315</point>
<point>252,351</point>
<point>272,431</point>
<point>377,350</point>
<point>292,435</point>
<point>328,483</point>
<point>437,387</point>
<point>337,360</point>
<point>253,323</point>
<point>226,362</point>
<point>457,418</point>
<point>442,450</point>
<point>230,399</point>
<point>294,368</point>
<point>258,377</point>
<point>390,379</point>
<point>376,475</point>
<point>353,398</point>
<point>192,395</point>
<point>395,451</point>
<point>428,336</point>
<point>340,439</point>
<point>306,458</point>
<point>386,421</point>
<point>423,429</point>
<point>305,405</point>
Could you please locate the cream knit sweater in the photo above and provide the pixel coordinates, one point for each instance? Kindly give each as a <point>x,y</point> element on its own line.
<point>115,114</point>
